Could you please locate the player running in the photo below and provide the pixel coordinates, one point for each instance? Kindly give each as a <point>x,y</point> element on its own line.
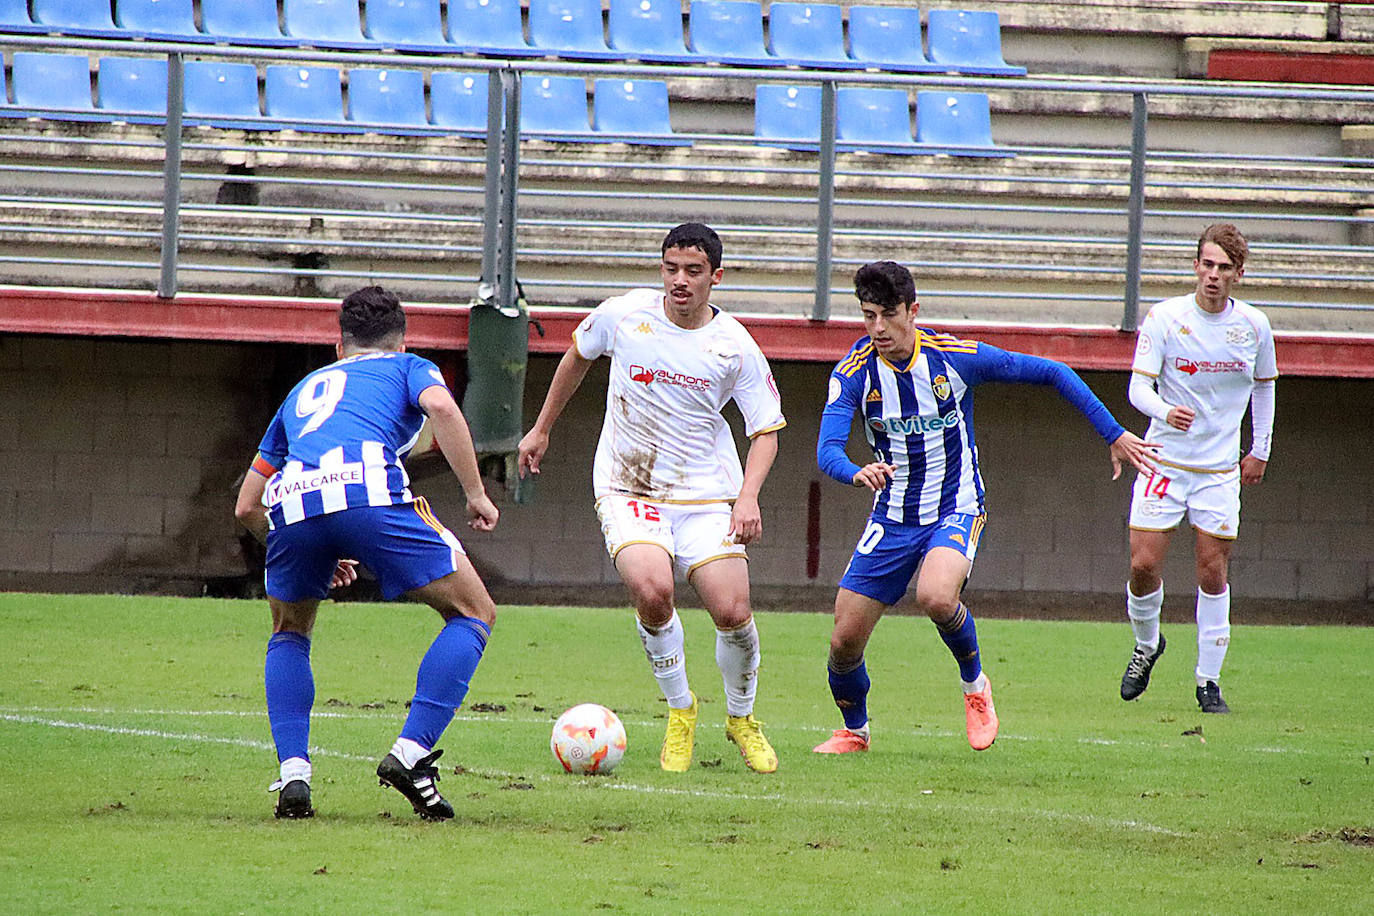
<point>667,479</point>
<point>914,390</point>
<point>1200,360</point>
<point>328,483</point>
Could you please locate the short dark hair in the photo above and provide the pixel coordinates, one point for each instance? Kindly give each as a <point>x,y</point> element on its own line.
<point>371,316</point>
<point>695,235</point>
<point>1228,238</point>
<point>886,284</point>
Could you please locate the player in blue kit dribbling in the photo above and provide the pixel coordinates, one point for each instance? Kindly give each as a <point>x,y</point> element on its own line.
<point>328,491</point>
<point>914,390</point>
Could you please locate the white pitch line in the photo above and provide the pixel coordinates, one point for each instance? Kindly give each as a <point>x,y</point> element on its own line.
<point>1090,819</point>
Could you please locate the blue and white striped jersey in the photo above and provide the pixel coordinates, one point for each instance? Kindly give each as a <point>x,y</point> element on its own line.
<point>338,439</point>
<point>919,417</point>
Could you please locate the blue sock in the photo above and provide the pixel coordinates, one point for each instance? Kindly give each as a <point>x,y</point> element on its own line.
<point>442,681</point>
<point>962,638</point>
<point>850,690</point>
<point>290,693</point>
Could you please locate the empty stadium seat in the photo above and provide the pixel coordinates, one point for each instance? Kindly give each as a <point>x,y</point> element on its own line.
<point>171,19</point>
<point>808,34</point>
<point>132,85</point>
<point>242,22</point>
<point>955,119</point>
<point>406,25</point>
<point>729,31</point>
<point>554,107</point>
<point>324,23</point>
<point>634,110</point>
<point>488,27</point>
<point>647,30</point>
<point>14,17</point>
<point>878,120</point>
<point>221,93</point>
<point>52,85</point>
<point>968,41</point>
<point>296,95</point>
<point>888,37</point>
<point>569,28</point>
<point>387,99</point>
<point>788,113</point>
<point>458,101</point>
<point>75,17</point>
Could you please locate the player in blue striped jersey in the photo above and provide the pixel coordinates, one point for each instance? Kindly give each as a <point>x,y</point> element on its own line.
<point>328,491</point>
<point>914,390</point>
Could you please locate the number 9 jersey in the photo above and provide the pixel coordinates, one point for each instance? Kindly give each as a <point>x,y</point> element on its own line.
<point>338,439</point>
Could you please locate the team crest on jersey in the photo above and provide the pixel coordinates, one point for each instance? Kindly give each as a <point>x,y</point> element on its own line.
<point>874,395</point>
<point>940,385</point>
<point>643,328</point>
<point>1239,335</point>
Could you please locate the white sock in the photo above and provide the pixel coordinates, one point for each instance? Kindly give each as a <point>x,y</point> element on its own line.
<point>1144,613</point>
<point>977,686</point>
<point>408,752</point>
<point>293,768</point>
<point>1213,634</point>
<point>737,656</point>
<point>664,647</point>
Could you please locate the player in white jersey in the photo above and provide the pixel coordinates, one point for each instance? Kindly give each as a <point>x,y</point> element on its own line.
<point>670,492</point>
<point>1200,361</point>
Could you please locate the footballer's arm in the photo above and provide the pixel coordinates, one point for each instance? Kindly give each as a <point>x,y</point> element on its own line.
<point>248,509</point>
<point>746,519</point>
<point>455,441</point>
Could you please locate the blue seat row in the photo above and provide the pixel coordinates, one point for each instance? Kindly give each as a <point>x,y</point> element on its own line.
<point>720,31</point>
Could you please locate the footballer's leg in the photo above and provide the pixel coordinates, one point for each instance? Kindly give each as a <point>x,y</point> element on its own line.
<point>290,688</point>
<point>723,584</point>
<point>1213,618</point>
<point>1144,601</point>
<point>856,616</point>
<point>943,574</point>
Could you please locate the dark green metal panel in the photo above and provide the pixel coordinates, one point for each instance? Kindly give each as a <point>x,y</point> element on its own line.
<point>498,351</point>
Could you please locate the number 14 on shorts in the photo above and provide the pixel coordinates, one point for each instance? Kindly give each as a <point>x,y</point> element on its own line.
<point>1156,485</point>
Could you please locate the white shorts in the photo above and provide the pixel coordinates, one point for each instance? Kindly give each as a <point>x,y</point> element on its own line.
<point>692,535</point>
<point>1210,498</point>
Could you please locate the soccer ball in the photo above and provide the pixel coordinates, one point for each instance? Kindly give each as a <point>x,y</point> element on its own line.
<point>588,739</point>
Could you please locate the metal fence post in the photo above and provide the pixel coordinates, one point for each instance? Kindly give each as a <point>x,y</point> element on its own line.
<point>171,179</point>
<point>825,204</point>
<point>510,169</point>
<point>1135,220</point>
<point>491,214</point>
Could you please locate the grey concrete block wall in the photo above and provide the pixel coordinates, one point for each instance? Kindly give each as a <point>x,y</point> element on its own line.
<point>118,459</point>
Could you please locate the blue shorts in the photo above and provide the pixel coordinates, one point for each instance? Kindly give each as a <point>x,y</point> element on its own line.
<point>889,553</point>
<point>404,546</point>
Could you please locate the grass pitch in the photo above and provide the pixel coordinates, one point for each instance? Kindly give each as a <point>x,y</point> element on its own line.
<point>138,754</point>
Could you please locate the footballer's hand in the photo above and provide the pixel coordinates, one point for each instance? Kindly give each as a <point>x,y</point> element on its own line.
<point>1252,469</point>
<point>1181,417</point>
<point>875,476</point>
<point>345,574</point>
<point>531,451</point>
<point>482,513</point>
<point>746,521</point>
<point>1130,447</point>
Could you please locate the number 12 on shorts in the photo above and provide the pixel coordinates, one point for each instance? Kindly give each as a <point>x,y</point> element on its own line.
<point>643,510</point>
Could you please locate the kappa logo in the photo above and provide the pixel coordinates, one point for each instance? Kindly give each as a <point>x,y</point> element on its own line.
<point>940,385</point>
<point>874,396</point>
<point>643,328</point>
<point>1185,330</point>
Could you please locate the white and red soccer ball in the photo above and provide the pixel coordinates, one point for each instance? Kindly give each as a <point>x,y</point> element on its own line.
<point>588,738</point>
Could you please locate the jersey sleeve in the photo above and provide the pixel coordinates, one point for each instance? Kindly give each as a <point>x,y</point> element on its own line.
<point>273,448</point>
<point>756,394</point>
<point>595,336</point>
<point>993,364</point>
<point>1266,360</point>
<point>422,374</point>
<point>842,399</point>
<point>1149,347</point>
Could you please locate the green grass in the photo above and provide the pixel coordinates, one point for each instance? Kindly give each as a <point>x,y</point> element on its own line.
<point>138,754</point>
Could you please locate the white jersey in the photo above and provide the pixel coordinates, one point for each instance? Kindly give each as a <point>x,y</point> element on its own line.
<point>1209,363</point>
<point>663,437</point>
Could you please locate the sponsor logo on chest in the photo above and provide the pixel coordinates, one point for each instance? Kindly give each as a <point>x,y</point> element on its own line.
<point>906,426</point>
<point>649,376</point>
<point>1192,367</point>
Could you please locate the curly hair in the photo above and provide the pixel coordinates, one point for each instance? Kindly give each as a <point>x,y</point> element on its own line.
<point>371,316</point>
<point>886,284</point>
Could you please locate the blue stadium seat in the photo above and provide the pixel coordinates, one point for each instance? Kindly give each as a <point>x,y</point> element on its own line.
<point>406,25</point>
<point>219,93</point>
<point>324,23</point>
<point>569,28</point>
<point>635,111</point>
<point>968,42</point>
<point>56,86</point>
<point>488,27</point>
<point>251,22</point>
<point>458,101</point>
<point>729,31</point>
<point>129,85</point>
<point>877,120</point>
<point>76,17</point>
<point>554,108</point>
<point>648,30</point>
<point>808,34</point>
<point>387,99</point>
<point>788,113</point>
<point>296,95</point>
<point>888,37</point>
<point>167,19</point>
<point>14,17</point>
<point>955,119</point>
